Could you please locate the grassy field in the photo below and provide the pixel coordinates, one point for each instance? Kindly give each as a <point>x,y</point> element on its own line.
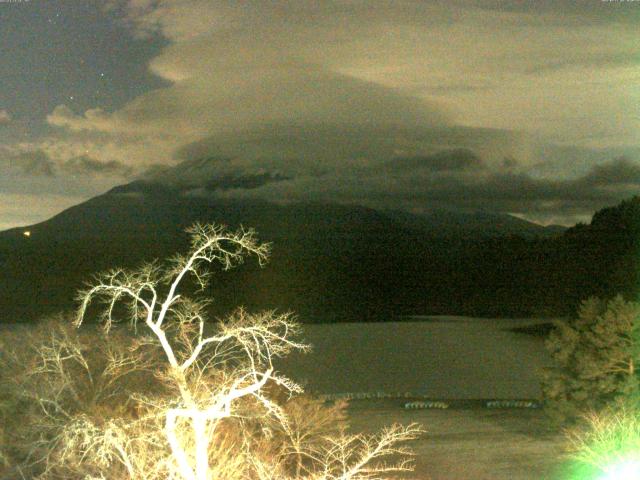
<point>471,444</point>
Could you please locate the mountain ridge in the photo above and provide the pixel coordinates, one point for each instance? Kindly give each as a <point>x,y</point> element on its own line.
<point>330,262</point>
<point>344,260</point>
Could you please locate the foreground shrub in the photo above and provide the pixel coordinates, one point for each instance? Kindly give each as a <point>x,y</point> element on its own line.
<point>190,400</point>
<point>596,359</point>
<point>607,444</point>
<point>61,386</point>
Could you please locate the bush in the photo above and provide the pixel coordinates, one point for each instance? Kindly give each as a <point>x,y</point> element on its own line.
<point>596,359</point>
<point>190,400</point>
<point>607,444</point>
<point>61,385</point>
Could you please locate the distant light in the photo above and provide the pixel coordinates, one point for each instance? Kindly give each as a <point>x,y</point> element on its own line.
<point>27,233</point>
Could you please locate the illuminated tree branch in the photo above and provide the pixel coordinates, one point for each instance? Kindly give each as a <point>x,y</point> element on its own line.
<point>212,372</point>
<point>254,340</point>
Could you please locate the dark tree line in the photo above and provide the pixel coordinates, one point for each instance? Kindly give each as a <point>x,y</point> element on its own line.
<point>529,277</point>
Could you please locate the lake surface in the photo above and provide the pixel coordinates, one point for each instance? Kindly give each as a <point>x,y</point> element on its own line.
<point>439,357</point>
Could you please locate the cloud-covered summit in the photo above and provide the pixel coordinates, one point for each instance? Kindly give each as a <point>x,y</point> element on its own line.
<point>446,179</point>
<point>401,103</point>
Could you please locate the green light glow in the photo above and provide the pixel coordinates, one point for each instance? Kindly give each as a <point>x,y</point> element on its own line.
<point>607,445</point>
<point>624,470</point>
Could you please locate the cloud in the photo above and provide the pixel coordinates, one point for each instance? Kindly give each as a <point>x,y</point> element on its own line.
<point>85,165</point>
<point>5,117</point>
<point>413,169</point>
<point>35,163</point>
<point>449,179</point>
<point>37,181</point>
<point>409,103</point>
<point>379,65</point>
<point>593,60</point>
<point>93,119</point>
<point>548,67</point>
<point>38,162</point>
<point>445,161</point>
<point>578,12</point>
<point>78,164</point>
<point>297,150</point>
<point>251,95</point>
<point>619,172</point>
<point>135,150</point>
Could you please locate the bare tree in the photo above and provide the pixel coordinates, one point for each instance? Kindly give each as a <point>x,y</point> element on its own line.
<point>251,342</point>
<point>213,373</point>
<point>69,408</point>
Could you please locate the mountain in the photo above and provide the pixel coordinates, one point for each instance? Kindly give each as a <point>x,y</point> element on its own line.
<point>212,175</point>
<point>330,261</point>
<point>476,225</point>
<point>323,258</point>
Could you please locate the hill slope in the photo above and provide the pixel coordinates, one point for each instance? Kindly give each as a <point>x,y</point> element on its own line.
<point>330,262</point>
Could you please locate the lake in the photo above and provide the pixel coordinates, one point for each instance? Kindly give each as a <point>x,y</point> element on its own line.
<point>437,357</point>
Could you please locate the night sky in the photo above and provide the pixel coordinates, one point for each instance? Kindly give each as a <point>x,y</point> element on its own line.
<point>524,107</point>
